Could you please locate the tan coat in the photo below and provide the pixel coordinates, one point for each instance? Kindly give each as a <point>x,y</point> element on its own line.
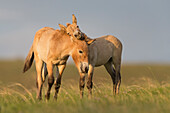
<point>52,48</point>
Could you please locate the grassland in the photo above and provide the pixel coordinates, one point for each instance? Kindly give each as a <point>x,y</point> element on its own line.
<point>144,88</point>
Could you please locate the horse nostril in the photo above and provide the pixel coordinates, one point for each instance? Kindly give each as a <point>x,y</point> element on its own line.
<point>75,35</point>
<point>86,69</point>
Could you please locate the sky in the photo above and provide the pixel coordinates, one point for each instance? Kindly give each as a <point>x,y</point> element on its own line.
<point>143,26</point>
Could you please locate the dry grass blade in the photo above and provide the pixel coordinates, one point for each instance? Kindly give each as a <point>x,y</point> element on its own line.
<point>20,85</point>
<point>69,95</point>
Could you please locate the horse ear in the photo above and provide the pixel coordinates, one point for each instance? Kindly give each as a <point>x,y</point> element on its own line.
<point>62,27</point>
<point>89,41</point>
<point>68,24</point>
<point>74,20</point>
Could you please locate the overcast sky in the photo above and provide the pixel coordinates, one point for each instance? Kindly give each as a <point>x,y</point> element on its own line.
<point>143,26</point>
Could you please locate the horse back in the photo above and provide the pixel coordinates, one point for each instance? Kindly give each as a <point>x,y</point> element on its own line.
<point>52,45</point>
<point>100,51</point>
<point>104,48</point>
<point>116,42</point>
<point>41,42</point>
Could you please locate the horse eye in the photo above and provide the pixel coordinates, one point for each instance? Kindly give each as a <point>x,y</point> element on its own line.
<point>80,51</point>
<point>77,26</point>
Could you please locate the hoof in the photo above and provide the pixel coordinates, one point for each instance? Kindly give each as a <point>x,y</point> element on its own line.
<point>47,96</point>
<point>39,98</point>
<point>55,97</point>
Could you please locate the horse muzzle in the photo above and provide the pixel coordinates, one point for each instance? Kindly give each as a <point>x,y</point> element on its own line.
<point>77,34</point>
<point>84,67</point>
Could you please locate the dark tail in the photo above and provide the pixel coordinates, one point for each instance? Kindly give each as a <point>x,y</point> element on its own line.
<point>29,59</point>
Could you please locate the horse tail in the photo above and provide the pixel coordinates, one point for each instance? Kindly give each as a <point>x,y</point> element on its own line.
<point>29,59</point>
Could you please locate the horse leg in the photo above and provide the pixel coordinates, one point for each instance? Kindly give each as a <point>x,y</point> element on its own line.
<point>44,72</point>
<point>50,79</point>
<point>117,65</point>
<point>81,84</point>
<point>118,79</point>
<point>119,82</point>
<point>89,81</point>
<point>111,72</point>
<point>39,65</point>
<point>58,80</point>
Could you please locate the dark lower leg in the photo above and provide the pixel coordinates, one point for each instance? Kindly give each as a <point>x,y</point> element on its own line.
<point>112,74</point>
<point>89,82</point>
<point>81,86</point>
<point>39,93</point>
<point>50,83</point>
<point>89,87</point>
<point>57,86</point>
<point>114,85</point>
<point>36,83</point>
<point>118,78</point>
<point>60,70</point>
<point>118,84</point>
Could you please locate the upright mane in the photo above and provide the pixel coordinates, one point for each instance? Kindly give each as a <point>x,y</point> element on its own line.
<point>87,39</point>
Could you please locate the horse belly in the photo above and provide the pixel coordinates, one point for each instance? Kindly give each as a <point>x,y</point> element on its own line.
<point>101,52</point>
<point>101,60</point>
<point>59,62</point>
<point>103,56</point>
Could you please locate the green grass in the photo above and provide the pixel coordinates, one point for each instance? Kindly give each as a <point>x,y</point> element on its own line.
<point>144,88</point>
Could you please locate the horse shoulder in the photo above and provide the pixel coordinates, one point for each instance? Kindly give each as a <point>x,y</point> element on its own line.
<point>58,46</point>
<point>92,53</point>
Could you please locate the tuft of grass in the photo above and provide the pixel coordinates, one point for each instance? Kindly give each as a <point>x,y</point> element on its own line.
<point>15,92</point>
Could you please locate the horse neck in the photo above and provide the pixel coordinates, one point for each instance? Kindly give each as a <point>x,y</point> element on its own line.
<point>69,45</point>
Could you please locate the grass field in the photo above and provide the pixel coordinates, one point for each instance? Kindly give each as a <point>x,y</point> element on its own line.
<point>144,88</point>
